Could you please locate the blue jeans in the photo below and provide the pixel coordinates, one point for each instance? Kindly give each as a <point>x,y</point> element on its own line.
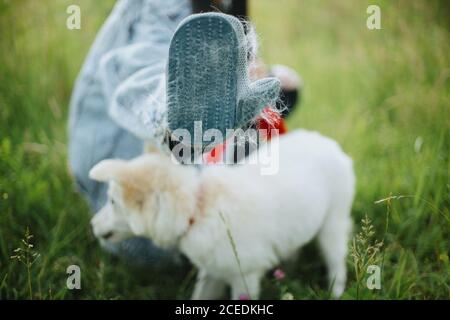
<point>126,60</point>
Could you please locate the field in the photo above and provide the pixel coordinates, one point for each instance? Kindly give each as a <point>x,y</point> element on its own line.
<point>383,94</point>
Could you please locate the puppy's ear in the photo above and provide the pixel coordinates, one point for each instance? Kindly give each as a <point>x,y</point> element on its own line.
<point>106,170</point>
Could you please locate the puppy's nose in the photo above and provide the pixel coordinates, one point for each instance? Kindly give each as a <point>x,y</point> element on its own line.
<point>106,235</point>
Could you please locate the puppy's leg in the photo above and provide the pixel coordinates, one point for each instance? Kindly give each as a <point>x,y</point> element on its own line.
<point>207,287</point>
<point>252,283</point>
<point>333,239</point>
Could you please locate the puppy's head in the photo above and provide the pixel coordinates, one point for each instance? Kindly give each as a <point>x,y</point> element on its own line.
<point>147,196</point>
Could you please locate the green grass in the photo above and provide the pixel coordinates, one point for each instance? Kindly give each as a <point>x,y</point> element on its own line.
<point>384,95</point>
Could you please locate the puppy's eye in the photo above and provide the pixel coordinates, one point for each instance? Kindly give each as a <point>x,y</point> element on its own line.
<point>112,201</point>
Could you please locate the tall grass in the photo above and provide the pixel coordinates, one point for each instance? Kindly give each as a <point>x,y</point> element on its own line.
<point>383,94</point>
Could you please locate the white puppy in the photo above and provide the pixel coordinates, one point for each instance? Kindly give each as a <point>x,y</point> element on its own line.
<point>268,217</point>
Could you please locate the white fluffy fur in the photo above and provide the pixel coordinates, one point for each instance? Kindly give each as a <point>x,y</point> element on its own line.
<point>269,217</point>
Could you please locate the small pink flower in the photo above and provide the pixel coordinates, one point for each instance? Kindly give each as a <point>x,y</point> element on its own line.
<point>279,274</point>
<point>244,296</point>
